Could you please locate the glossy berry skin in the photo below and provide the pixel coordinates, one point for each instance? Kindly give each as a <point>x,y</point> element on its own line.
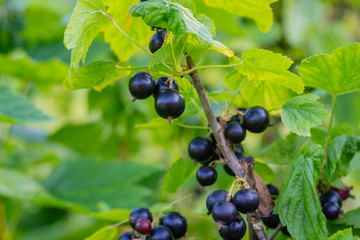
<point>143,226</point>
<point>176,222</point>
<point>273,190</point>
<point>234,132</point>
<point>169,104</point>
<point>239,150</point>
<point>229,171</point>
<point>206,175</point>
<point>162,84</point>
<point>237,117</point>
<point>201,149</point>
<point>331,210</point>
<point>160,233</point>
<point>128,236</point>
<point>271,221</point>
<point>330,196</point>
<point>215,197</point>
<point>234,231</point>
<point>256,119</point>
<point>157,40</point>
<point>246,200</point>
<point>138,213</point>
<point>225,212</point>
<point>141,85</point>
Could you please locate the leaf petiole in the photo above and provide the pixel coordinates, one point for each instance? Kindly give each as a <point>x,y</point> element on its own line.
<point>211,66</point>
<point>131,68</point>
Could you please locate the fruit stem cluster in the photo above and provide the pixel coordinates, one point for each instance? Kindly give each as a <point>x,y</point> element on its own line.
<point>230,158</point>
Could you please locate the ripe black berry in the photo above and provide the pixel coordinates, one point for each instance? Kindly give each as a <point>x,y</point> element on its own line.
<point>143,226</point>
<point>138,213</point>
<point>271,221</point>
<point>246,200</point>
<point>273,190</point>
<point>160,233</point>
<point>157,40</point>
<point>240,157</point>
<point>234,231</point>
<point>239,150</point>
<point>141,85</point>
<point>169,104</point>
<point>331,210</point>
<point>330,196</point>
<point>224,212</point>
<point>234,132</point>
<point>206,175</point>
<point>200,149</point>
<point>176,223</point>
<point>163,84</point>
<point>256,119</point>
<point>128,236</point>
<point>215,197</point>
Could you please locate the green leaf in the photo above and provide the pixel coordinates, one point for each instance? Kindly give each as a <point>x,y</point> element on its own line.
<point>282,151</point>
<point>14,108</point>
<point>302,113</point>
<point>258,10</point>
<point>196,33</point>
<point>26,69</point>
<point>352,218</point>
<point>340,153</point>
<point>86,22</point>
<point>264,79</point>
<point>344,128</point>
<point>221,48</point>
<point>264,171</point>
<point>87,139</point>
<point>100,185</point>
<point>135,28</point>
<point>298,205</point>
<point>177,174</point>
<point>96,75</point>
<point>319,135</point>
<point>18,186</point>
<point>105,233</point>
<point>345,234</point>
<point>337,73</point>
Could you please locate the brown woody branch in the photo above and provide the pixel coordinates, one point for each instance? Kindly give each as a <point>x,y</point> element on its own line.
<point>245,170</point>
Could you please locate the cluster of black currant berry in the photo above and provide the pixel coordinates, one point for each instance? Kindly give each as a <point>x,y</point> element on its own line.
<point>331,203</point>
<point>169,102</point>
<point>173,225</point>
<point>205,151</point>
<point>225,211</point>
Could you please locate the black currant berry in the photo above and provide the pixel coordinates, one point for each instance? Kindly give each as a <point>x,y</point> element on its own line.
<point>256,119</point>
<point>157,40</point>
<point>240,157</point>
<point>271,221</point>
<point>169,104</point>
<point>234,132</point>
<point>285,231</point>
<point>246,200</point>
<point>176,222</point>
<point>141,85</point>
<point>239,150</point>
<point>201,149</point>
<point>215,197</point>
<point>143,226</point>
<point>330,196</point>
<point>163,84</point>
<point>234,231</point>
<point>237,117</point>
<point>273,190</point>
<point>128,236</point>
<point>138,213</point>
<point>331,210</point>
<point>160,233</point>
<point>206,175</point>
<point>229,171</point>
<point>225,212</point>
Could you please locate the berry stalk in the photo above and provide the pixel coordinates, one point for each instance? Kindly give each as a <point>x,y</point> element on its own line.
<point>243,171</point>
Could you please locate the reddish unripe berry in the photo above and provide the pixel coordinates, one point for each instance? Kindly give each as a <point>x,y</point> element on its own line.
<point>143,226</point>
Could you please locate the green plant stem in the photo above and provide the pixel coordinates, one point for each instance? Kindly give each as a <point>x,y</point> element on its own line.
<point>192,127</point>
<point>236,93</point>
<point>328,134</point>
<point>210,66</point>
<point>131,68</point>
<point>127,36</point>
<point>177,68</point>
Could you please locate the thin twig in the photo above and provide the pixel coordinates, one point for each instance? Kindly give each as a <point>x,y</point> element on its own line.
<point>275,232</point>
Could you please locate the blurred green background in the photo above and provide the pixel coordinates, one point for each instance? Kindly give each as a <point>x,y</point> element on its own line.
<point>97,158</point>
